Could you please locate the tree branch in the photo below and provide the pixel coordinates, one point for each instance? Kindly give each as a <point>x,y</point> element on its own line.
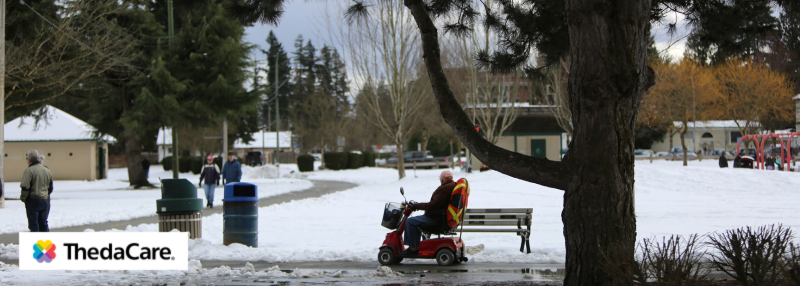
<point>536,170</point>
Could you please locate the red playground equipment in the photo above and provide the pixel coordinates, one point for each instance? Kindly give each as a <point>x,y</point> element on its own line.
<point>760,139</point>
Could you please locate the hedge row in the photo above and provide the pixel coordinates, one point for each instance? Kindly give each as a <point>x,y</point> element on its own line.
<point>346,160</point>
<point>305,163</point>
<point>189,164</point>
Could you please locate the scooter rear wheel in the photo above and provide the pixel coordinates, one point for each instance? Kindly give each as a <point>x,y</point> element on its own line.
<point>386,256</point>
<point>445,257</point>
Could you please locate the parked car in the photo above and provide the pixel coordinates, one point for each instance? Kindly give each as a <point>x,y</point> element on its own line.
<point>751,151</point>
<point>254,158</point>
<point>417,156</point>
<point>717,152</point>
<point>643,153</point>
<point>662,154</point>
<point>679,151</point>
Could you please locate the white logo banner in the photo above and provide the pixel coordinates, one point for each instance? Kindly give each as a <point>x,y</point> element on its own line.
<point>103,251</point>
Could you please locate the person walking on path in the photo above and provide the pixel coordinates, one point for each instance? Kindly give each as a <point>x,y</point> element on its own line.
<point>37,185</point>
<point>211,175</point>
<point>737,162</point>
<point>723,162</point>
<point>232,170</point>
<point>146,167</point>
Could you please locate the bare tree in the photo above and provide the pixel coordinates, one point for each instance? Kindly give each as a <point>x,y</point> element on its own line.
<point>491,99</point>
<point>551,90</point>
<point>63,54</point>
<point>384,51</point>
<point>323,118</point>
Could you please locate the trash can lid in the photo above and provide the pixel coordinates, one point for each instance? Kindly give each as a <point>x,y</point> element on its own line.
<point>178,189</point>
<point>241,192</point>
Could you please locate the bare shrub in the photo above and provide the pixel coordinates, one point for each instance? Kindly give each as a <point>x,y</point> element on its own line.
<point>673,261</point>
<point>751,256</point>
<point>790,269</point>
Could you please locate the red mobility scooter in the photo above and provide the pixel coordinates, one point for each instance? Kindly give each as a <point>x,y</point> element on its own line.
<point>446,251</point>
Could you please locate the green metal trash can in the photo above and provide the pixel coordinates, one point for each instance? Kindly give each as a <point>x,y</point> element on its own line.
<point>180,208</point>
<point>240,214</point>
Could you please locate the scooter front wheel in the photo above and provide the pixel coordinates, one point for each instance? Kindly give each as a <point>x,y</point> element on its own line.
<point>445,257</point>
<point>386,256</point>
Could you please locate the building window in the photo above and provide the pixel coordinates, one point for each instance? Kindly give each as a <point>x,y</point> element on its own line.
<point>707,135</point>
<point>735,135</point>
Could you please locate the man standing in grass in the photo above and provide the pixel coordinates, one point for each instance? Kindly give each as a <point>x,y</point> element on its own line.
<point>37,185</point>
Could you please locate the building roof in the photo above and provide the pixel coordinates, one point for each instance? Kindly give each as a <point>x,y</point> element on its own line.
<point>56,126</point>
<point>718,124</point>
<point>796,97</point>
<point>269,139</point>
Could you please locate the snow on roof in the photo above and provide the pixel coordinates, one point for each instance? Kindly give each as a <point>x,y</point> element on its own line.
<point>269,139</point>
<point>58,126</point>
<point>796,96</point>
<point>717,124</point>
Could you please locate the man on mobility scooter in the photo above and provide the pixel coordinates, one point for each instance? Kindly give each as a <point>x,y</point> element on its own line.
<point>434,213</point>
<point>443,215</point>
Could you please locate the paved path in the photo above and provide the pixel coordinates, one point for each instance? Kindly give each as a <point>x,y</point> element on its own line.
<point>319,189</point>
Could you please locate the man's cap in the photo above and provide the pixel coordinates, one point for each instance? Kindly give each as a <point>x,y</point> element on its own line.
<point>210,156</point>
<point>231,153</point>
<point>446,174</point>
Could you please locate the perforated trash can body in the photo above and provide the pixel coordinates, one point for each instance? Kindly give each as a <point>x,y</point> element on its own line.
<point>180,208</point>
<point>240,214</point>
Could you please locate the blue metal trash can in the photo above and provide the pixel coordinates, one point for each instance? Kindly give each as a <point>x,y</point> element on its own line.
<point>240,214</point>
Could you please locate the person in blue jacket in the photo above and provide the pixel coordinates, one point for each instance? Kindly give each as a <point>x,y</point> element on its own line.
<point>232,170</point>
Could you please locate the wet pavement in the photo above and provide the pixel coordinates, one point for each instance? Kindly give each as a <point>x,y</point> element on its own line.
<point>411,273</point>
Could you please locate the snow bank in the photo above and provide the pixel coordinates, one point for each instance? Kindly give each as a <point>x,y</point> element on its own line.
<point>80,202</point>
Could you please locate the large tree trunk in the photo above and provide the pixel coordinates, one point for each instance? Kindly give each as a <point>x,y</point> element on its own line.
<point>133,158</point>
<point>608,76</point>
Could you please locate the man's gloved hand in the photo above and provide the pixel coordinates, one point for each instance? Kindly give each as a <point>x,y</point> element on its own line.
<point>200,185</point>
<point>412,205</point>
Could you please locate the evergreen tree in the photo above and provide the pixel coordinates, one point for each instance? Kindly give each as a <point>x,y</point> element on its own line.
<point>284,74</point>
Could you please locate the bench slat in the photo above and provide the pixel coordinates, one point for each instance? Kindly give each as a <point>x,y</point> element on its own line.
<point>492,222</point>
<point>524,211</point>
<point>493,230</point>
<point>469,217</point>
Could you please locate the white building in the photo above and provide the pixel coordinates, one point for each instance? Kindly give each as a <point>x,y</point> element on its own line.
<point>709,135</point>
<point>265,141</point>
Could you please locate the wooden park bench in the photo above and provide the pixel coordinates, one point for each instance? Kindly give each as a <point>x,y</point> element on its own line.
<point>485,220</point>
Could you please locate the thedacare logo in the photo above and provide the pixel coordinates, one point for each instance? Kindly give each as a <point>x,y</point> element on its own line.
<point>132,252</point>
<point>44,251</point>
<point>104,251</point>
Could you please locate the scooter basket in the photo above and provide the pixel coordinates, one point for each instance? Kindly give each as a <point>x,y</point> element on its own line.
<point>392,216</point>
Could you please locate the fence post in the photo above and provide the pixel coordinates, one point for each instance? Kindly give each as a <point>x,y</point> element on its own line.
<point>651,158</point>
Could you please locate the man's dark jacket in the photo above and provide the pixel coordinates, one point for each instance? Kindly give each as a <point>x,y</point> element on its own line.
<point>737,162</point>
<point>146,165</point>
<point>439,201</point>
<point>723,162</point>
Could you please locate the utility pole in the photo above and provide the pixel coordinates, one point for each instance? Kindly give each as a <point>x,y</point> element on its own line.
<point>277,116</point>
<point>3,97</point>
<point>175,151</point>
<point>224,140</point>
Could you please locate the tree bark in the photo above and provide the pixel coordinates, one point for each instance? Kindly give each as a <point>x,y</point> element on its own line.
<point>608,76</point>
<point>401,164</point>
<point>683,145</point>
<point>133,158</point>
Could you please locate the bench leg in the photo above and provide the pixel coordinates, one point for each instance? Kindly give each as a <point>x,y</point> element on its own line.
<point>525,242</point>
<point>528,243</point>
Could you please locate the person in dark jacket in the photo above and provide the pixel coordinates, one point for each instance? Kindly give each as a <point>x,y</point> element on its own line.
<point>232,170</point>
<point>434,213</point>
<point>723,162</point>
<point>146,167</point>
<point>211,175</point>
<point>737,162</point>
<point>36,185</point>
<point>769,162</point>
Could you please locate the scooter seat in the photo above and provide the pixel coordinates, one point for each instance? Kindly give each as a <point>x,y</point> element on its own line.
<point>433,228</point>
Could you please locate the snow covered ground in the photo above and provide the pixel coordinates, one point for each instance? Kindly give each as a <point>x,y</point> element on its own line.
<point>345,226</point>
<point>81,202</point>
